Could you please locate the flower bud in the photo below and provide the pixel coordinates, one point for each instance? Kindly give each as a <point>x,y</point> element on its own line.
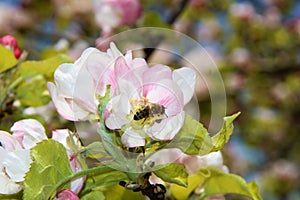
<point>11,43</point>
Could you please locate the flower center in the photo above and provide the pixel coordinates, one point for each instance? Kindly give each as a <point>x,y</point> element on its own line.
<point>146,113</point>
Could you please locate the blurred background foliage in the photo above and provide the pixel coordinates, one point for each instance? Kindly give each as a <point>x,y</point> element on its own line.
<point>255,44</point>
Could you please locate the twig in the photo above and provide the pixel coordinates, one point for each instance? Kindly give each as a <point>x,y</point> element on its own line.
<point>171,19</point>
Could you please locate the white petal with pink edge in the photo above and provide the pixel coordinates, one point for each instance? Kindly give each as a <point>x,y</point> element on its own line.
<point>31,130</point>
<point>8,142</point>
<point>66,108</point>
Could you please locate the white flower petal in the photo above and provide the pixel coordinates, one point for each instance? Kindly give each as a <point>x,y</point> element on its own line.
<point>68,110</point>
<point>85,91</point>
<point>17,163</point>
<point>61,136</point>
<point>65,77</point>
<point>194,163</point>
<point>167,128</point>
<point>113,51</point>
<point>185,79</point>
<point>31,130</point>
<point>7,186</point>
<point>119,108</point>
<point>165,156</point>
<point>8,142</point>
<point>131,138</point>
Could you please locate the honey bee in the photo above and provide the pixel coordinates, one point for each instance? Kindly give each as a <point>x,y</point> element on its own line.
<point>149,112</point>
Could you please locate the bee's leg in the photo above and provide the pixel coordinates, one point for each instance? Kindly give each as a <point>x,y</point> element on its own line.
<point>143,149</point>
<point>158,121</point>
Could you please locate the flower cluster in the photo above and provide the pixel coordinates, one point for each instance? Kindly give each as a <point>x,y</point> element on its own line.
<point>15,157</point>
<point>149,144</point>
<point>146,103</point>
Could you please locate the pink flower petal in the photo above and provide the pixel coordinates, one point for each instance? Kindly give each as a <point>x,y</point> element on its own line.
<point>166,93</point>
<point>67,195</point>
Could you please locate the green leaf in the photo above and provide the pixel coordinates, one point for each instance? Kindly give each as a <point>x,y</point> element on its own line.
<point>193,138</point>
<point>182,193</point>
<point>219,182</point>
<point>222,137</point>
<point>7,59</point>
<point>117,192</point>
<point>33,92</point>
<point>44,67</point>
<point>11,196</point>
<point>50,165</point>
<point>106,179</point>
<point>172,173</point>
<point>107,136</point>
<point>95,150</point>
<point>94,195</point>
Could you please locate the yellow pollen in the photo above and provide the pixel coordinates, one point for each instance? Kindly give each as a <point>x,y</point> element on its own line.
<point>138,104</point>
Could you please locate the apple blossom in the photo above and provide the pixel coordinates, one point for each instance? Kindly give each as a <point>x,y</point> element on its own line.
<point>133,85</point>
<point>14,163</point>
<point>141,86</point>
<point>15,154</point>
<point>11,43</point>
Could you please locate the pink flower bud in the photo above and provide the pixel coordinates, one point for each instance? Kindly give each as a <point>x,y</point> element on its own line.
<point>11,43</point>
<point>67,195</point>
<point>110,14</point>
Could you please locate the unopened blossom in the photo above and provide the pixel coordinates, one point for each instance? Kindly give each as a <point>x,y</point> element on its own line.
<point>66,195</point>
<point>141,88</point>
<point>110,14</point>
<point>15,157</point>
<point>192,163</point>
<point>11,43</point>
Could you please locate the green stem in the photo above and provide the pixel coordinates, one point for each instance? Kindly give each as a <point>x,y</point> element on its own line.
<point>91,171</point>
<point>15,83</point>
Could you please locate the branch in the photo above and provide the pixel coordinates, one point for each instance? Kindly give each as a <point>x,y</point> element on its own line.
<point>171,19</point>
